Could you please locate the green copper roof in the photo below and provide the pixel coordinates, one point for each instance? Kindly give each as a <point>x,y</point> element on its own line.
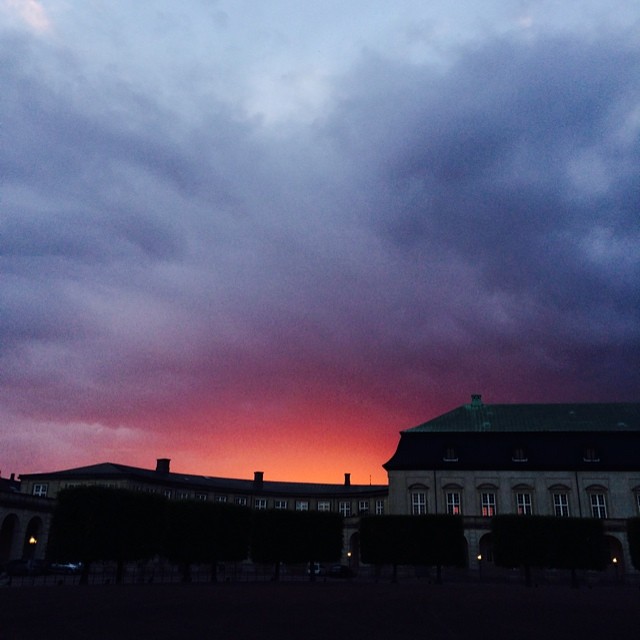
<point>477,416</point>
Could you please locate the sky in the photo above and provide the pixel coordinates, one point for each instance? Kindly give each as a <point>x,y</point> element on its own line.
<point>251,235</point>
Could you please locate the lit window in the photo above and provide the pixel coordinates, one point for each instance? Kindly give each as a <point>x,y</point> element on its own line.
<point>453,503</point>
<point>363,507</point>
<point>167,493</point>
<point>598,505</point>
<point>202,496</point>
<point>523,504</point>
<point>418,503</point>
<point>324,505</point>
<point>345,509</point>
<point>221,498</point>
<point>561,505</point>
<point>379,507</point>
<point>240,500</point>
<point>280,504</point>
<point>40,490</point>
<point>260,503</point>
<point>302,505</point>
<point>488,503</point>
<point>182,495</point>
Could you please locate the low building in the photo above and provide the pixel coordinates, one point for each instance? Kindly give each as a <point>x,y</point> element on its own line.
<point>479,460</point>
<point>24,522</point>
<point>350,500</point>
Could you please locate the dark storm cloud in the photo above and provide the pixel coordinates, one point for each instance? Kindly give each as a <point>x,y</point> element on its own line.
<point>439,229</point>
<point>490,164</point>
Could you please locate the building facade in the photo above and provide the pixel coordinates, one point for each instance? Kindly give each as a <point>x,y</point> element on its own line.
<point>24,522</point>
<point>479,460</point>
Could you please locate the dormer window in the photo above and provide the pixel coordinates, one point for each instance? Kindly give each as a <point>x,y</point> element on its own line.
<point>591,454</point>
<point>519,454</point>
<point>450,455</point>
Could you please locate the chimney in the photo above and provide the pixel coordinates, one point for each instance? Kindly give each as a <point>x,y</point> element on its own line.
<point>162,465</point>
<point>13,477</point>
<point>476,400</point>
<point>347,479</point>
<point>258,477</point>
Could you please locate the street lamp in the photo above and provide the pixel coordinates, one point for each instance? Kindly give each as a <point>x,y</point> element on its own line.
<point>479,558</point>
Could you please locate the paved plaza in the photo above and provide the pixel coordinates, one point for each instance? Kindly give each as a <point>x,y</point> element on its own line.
<point>336,610</point>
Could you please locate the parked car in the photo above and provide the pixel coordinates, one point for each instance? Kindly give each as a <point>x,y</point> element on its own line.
<point>66,568</point>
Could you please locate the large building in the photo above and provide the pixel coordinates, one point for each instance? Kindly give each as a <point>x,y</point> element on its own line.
<point>480,460</point>
<point>350,500</point>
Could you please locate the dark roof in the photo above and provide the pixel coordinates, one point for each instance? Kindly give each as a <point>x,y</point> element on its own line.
<point>113,471</point>
<point>9,485</point>
<point>546,436</point>
<point>479,417</point>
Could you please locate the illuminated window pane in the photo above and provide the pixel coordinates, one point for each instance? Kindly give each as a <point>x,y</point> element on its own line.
<point>488,502</point>
<point>453,503</point>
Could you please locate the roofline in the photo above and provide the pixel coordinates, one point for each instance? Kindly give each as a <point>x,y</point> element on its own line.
<point>245,485</point>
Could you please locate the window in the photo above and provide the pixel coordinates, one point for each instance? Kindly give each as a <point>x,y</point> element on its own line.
<point>418,503</point>
<point>453,503</point>
<point>182,495</point>
<point>523,504</point>
<point>591,455</point>
<point>519,455</point>
<point>561,505</point>
<point>488,503</point>
<point>260,503</point>
<point>598,505</point>
<point>167,493</point>
<point>221,498</point>
<point>201,496</point>
<point>40,490</point>
<point>280,504</point>
<point>345,509</point>
<point>363,507</point>
<point>379,507</point>
<point>450,455</point>
<point>324,505</point>
<point>302,505</point>
<point>240,500</point>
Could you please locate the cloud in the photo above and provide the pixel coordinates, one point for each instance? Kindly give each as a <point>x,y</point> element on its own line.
<point>430,231</point>
<point>30,12</point>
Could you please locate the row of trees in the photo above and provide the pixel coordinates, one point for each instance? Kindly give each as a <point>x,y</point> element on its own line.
<point>94,523</point>
<point>549,542</point>
<point>517,541</point>
<point>100,524</point>
<point>430,540</point>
